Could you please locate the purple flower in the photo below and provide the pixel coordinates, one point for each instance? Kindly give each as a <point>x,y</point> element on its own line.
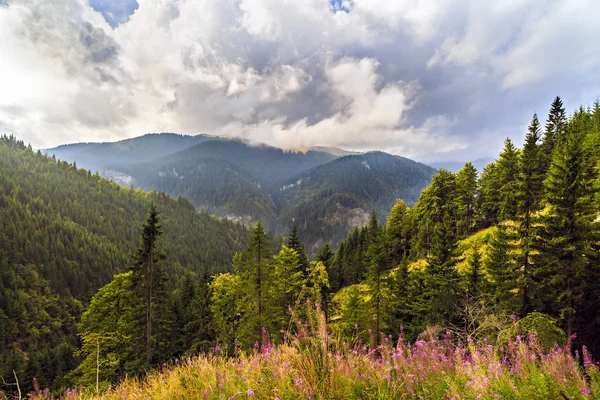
<point>585,391</point>
<point>250,393</point>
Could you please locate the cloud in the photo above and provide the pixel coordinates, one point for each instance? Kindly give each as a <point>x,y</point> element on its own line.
<point>427,79</point>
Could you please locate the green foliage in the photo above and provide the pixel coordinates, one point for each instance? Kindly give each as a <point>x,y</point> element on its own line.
<point>227,307</point>
<point>544,327</point>
<point>508,174</point>
<point>64,233</point>
<point>108,331</point>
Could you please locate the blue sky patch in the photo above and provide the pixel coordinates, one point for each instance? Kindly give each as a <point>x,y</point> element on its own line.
<point>341,5</point>
<point>115,12</point>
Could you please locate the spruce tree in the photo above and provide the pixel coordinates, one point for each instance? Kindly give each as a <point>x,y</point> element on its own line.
<point>258,259</point>
<point>488,196</point>
<point>378,258</point>
<point>285,285</point>
<point>326,256</point>
<point>502,270</point>
<point>149,279</point>
<point>441,275</point>
<point>466,197</point>
<point>554,126</point>
<point>529,197</point>
<point>295,244</point>
<point>508,175</point>
<point>398,232</point>
<point>569,237</point>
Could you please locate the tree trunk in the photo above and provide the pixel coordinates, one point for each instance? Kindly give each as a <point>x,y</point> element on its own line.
<point>149,310</point>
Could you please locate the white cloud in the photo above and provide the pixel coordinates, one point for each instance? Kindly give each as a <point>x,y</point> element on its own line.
<point>370,116</point>
<point>290,73</point>
<point>526,41</point>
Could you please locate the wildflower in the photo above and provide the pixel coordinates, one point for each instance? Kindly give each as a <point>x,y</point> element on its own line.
<point>250,393</point>
<point>585,391</point>
<point>217,349</point>
<point>299,382</point>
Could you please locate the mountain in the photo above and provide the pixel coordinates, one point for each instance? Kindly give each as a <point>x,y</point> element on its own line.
<point>226,177</point>
<point>334,151</point>
<point>324,188</point>
<point>219,186</point>
<point>329,200</point>
<point>95,156</point>
<point>64,233</point>
<point>268,165</point>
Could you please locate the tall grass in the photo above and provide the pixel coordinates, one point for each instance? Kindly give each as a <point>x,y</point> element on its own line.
<point>311,364</point>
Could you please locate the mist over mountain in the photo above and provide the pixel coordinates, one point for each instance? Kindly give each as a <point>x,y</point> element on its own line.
<point>95,156</point>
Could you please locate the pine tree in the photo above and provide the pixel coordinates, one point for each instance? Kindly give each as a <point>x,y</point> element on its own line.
<point>466,188</point>
<point>398,232</point>
<point>569,237</point>
<point>529,197</point>
<point>554,126</point>
<point>258,257</point>
<point>286,284</point>
<point>508,175</point>
<point>149,279</point>
<point>441,275</point>
<point>436,204</point>
<point>501,268</point>
<point>326,256</point>
<point>378,257</point>
<point>488,196</point>
<point>295,244</point>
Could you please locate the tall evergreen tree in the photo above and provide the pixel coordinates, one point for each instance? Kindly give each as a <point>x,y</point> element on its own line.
<point>568,240</point>
<point>398,232</point>
<point>286,284</point>
<point>326,256</point>
<point>150,280</point>
<point>436,205</point>
<point>488,197</point>
<point>508,174</point>
<point>256,267</point>
<point>378,257</point>
<point>554,126</point>
<point>502,269</point>
<point>295,244</point>
<point>529,197</point>
<point>466,198</point>
<point>441,275</point>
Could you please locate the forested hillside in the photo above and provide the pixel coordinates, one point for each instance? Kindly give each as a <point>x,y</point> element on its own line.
<point>328,201</point>
<point>64,233</point>
<point>324,195</point>
<point>519,240</point>
<point>95,156</point>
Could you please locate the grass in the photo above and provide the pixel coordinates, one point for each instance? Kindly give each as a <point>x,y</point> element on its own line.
<point>313,365</point>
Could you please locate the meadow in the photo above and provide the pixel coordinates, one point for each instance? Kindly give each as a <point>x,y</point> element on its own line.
<point>312,364</point>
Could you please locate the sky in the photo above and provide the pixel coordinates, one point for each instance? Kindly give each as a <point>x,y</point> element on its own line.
<point>433,80</point>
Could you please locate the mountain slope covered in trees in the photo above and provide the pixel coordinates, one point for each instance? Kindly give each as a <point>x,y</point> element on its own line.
<point>95,156</point>
<point>331,199</point>
<point>64,233</point>
<point>281,189</point>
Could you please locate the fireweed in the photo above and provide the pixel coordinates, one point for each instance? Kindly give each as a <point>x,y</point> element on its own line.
<point>311,364</point>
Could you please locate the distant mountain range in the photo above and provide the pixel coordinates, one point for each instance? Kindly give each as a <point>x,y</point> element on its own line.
<point>325,191</point>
